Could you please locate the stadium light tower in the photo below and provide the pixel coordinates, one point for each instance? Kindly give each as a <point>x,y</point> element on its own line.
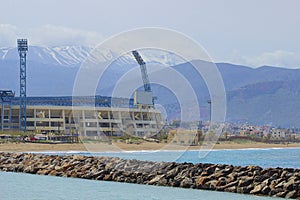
<point>22,48</point>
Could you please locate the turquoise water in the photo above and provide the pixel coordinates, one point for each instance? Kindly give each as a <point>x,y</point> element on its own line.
<point>262,157</point>
<point>33,187</point>
<point>15,186</point>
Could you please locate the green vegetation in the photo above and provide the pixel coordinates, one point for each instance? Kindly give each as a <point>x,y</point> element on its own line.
<point>243,141</point>
<point>15,133</point>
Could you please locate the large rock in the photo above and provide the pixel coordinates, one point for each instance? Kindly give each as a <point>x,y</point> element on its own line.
<point>201,182</point>
<point>187,183</point>
<point>257,189</point>
<point>245,181</point>
<point>292,194</point>
<point>265,190</point>
<point>156,179</point>
<point>289,186</point>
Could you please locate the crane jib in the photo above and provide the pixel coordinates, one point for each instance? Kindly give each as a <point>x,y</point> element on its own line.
<point>143,68</point>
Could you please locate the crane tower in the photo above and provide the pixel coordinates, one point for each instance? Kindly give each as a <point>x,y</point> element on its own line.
<point>143,98</point>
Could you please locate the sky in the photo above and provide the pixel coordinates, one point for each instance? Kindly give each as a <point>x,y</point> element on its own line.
<point>249,32</point>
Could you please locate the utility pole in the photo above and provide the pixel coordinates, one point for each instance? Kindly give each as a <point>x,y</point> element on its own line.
<point>209,102</point>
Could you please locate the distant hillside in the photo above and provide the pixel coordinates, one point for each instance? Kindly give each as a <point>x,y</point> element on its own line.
<point>236,76</point>
<point>274,102</point>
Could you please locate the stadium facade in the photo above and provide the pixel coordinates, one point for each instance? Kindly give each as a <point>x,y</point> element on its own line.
<point>88,116</point>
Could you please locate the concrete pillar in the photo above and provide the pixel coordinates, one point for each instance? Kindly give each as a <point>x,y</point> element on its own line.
<point>109,122</point>
<point>10,114</point>
<point>64,122</point>
<point>49,118</point>
<point>34,116</point>
<point>2,116</point>
<point>83,123</point>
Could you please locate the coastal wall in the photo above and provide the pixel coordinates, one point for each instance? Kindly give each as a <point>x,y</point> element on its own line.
<point>280,182</point>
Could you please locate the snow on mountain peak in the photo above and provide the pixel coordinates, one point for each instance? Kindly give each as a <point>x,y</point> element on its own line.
<point>69,56</point>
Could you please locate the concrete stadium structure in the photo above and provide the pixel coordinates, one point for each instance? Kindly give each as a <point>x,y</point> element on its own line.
<point>88,121</point>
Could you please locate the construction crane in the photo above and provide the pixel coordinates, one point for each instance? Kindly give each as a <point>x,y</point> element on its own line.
<point>144,73</point>
<point>143,98</point>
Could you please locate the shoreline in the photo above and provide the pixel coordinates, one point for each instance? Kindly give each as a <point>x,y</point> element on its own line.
<point>116,147</point>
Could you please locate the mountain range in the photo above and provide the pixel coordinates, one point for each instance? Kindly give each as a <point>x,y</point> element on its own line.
<point>264,95</point>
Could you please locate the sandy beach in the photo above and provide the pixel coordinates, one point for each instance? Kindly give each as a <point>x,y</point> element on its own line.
<point>119,146</point>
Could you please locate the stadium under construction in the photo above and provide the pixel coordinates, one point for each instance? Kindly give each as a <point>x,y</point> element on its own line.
<point>110,117</point>
<point>86,116</point>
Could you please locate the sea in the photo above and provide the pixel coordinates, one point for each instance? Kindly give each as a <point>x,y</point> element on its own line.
<point>19,186</point>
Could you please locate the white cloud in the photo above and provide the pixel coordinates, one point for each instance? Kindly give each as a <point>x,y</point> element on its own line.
<point>8,35</point>
<point>278,58</point>
<point>56,35</point>
<point>48,35</point>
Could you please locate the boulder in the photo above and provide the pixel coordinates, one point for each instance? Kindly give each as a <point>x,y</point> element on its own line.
<point>289,186</point>
<point>291,194</point>
<point>156,179</point>
<point>231,189</point>
<point>245,181</point>
<point>212,184</point>
<point>244,190</point>
<point>200,183</point>
<point>265,190</point>
<point>187,183</point>
<point>221,182</point>
<point>257,189</point>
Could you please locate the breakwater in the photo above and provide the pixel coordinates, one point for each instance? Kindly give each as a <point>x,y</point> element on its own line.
<point>280,182</point>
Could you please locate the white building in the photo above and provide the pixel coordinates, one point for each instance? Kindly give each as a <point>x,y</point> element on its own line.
<point>278,133</point>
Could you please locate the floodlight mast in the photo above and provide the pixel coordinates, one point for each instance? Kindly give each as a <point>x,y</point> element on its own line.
<point>22,48</point>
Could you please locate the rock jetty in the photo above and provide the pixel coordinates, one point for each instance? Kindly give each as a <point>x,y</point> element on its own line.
<point>279,182</point>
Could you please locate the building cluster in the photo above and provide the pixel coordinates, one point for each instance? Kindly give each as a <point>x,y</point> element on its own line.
<point>179,134</point>
<point>263,132</point>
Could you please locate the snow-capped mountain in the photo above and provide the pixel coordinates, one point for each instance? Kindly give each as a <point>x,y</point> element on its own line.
<point>63,55</point>
<point>69,56</point>
<point>258,96</point>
